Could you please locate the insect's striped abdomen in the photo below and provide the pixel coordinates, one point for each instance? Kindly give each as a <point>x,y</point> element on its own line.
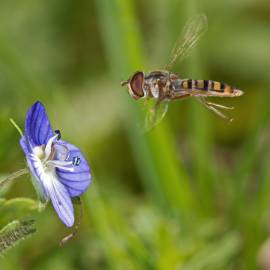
<point>210,86</point>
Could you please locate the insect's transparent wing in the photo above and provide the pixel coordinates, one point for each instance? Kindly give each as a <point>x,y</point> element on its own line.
<point>195,27</point>
<point>155,112</point>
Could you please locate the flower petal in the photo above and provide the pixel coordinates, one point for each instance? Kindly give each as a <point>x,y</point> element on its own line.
<point>48,186</point>
<point>77,181</point>
<point>36,169</point>
<point>37,125</point>
<point>38,176</point>
<point>24,145</point>
<point>60,198</point>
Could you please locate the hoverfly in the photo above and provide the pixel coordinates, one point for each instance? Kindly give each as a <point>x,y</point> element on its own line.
<point>165,86</point>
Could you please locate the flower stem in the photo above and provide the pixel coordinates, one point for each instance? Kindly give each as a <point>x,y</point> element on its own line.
<point>13,176</point>
<point>16,126</point>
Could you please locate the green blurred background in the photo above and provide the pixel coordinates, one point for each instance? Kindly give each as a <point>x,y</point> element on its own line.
<point>194,193</point>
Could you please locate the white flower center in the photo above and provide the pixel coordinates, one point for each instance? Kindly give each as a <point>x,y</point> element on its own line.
<point>38,151</point>
<point>51,156</point>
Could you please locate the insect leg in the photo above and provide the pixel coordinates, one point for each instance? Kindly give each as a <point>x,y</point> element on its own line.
<point>219,106</point>
<point>219,113</point>
<point>212,107</point>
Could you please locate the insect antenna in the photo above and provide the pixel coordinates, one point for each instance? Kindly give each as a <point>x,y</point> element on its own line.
<point>123,83</point>
<point>77,225</point>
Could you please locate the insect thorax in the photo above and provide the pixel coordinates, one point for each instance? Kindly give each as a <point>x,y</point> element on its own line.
<point>158,83</point>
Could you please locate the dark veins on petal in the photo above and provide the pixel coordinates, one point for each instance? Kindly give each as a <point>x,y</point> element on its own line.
<point>78,181</point>
<point>37,125</point>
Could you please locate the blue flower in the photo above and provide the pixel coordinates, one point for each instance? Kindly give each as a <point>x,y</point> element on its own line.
<point>59,170</point>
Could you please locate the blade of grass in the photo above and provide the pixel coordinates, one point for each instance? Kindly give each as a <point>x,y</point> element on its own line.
<point>247,159</point>
<point>117,255</point>
<point>124,47</point>
<point>200,131</point>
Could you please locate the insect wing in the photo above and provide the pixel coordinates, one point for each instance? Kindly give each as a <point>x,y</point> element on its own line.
<point>155,112</point>
<point>195,27</point>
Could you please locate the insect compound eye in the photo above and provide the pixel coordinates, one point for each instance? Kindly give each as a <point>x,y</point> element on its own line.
<point>136,85</point>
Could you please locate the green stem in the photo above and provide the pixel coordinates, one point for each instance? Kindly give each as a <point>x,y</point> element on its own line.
<point>13,176</point>
<point>16,126</point>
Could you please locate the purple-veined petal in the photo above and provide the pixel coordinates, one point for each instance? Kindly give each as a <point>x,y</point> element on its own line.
<point>37,172</point>
<point>24,145</point>
<point>60,198</point>
<point>77,181</point>
<point>37,125</point>
<point>35,168</point>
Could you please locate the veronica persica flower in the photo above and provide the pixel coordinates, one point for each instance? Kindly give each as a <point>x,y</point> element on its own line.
<point>59,170</point>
